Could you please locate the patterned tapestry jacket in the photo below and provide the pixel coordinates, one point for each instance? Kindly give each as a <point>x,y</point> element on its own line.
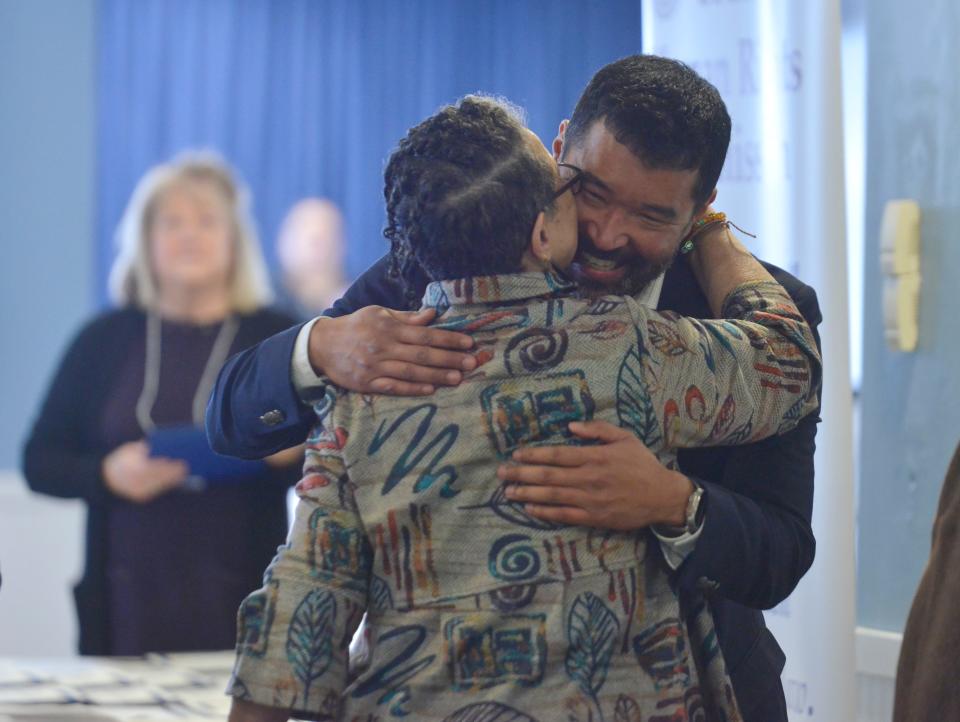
<point>477,610</point>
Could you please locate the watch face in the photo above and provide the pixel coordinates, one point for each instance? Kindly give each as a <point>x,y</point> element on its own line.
<point>694,510</point>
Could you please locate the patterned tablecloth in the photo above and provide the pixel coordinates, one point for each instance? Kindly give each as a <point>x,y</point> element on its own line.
<point>116,689</point>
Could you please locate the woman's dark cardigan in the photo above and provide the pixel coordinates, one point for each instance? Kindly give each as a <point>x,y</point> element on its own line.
<point>63,454</point>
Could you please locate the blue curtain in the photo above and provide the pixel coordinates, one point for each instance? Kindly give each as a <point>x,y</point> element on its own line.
<point>308,97</point>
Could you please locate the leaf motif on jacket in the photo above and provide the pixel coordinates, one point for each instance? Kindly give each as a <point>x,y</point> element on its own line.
<point>310,638</point>
<point>603,306</point>
<point>607,329</point>
<point>592,631</point>
<point>488,712</point>
<point>634,406</point>
<point>792,416</point>
<point>665,338</point>
<point>381,598</point>
<point>739,435</point>
<point>724,418</point>
<point>695,404</point>
<point>627,710</point>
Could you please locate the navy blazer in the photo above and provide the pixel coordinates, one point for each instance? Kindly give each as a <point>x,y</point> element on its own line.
<point>756,543</point>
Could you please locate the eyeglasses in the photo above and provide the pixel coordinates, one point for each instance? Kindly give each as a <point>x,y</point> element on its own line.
<point>573,184</point>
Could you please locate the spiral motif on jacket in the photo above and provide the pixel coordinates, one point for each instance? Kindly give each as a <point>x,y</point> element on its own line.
<point>536,350</point>
<point>513,559</point>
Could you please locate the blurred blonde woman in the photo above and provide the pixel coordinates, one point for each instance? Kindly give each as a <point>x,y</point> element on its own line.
<point>168,557</point>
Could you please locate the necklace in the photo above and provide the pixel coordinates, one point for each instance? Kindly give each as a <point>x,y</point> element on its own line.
<point>151,370</point>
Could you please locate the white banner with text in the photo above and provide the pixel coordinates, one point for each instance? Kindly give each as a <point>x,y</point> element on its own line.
<point>777,66</point>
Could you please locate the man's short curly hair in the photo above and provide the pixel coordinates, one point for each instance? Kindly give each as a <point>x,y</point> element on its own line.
<point>663,111</point>
<point>463,190</point>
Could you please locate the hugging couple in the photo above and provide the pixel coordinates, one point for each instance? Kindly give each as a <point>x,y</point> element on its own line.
<point>567,485</point>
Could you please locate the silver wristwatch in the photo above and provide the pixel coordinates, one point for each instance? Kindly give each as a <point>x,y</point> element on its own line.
<point>695,507</point>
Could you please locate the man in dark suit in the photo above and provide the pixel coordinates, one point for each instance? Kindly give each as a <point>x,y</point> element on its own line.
<point>650,137</point>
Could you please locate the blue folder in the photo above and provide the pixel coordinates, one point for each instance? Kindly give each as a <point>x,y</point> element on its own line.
<point>207,467</point>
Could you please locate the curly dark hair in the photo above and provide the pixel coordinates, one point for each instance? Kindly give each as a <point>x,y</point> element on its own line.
<point>463,190</point>
<point>663,111</point>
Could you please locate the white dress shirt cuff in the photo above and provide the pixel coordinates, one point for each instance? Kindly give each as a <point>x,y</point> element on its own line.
<point>677,548</point>
<point>304,377</point>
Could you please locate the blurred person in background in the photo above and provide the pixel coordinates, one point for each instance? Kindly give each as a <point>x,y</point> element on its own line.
<point>310,250</point>
<point>169,555</point>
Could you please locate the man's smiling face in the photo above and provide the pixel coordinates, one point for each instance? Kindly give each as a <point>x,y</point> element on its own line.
<point>632,218</point>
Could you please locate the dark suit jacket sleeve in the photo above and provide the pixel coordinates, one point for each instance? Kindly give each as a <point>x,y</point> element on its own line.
<point>256,381</point>
<point>757,541</point>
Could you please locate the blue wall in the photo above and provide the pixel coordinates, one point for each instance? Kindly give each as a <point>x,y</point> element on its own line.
<point>911,402</point>
<point>46,197</point>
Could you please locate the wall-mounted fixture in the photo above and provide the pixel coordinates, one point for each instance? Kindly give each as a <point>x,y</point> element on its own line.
<point>900,262</point>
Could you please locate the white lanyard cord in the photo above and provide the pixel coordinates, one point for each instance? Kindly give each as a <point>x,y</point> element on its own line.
<point>151,370</point>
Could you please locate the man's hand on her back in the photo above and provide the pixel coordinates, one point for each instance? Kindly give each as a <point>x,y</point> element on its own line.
<point>378,350</point>
<point>615,484</point>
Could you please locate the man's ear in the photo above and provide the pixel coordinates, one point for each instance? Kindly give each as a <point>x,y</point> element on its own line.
<point>540,247</point>
<point>558,141</point>
<point>712,198</point>
<point>706,208</point>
